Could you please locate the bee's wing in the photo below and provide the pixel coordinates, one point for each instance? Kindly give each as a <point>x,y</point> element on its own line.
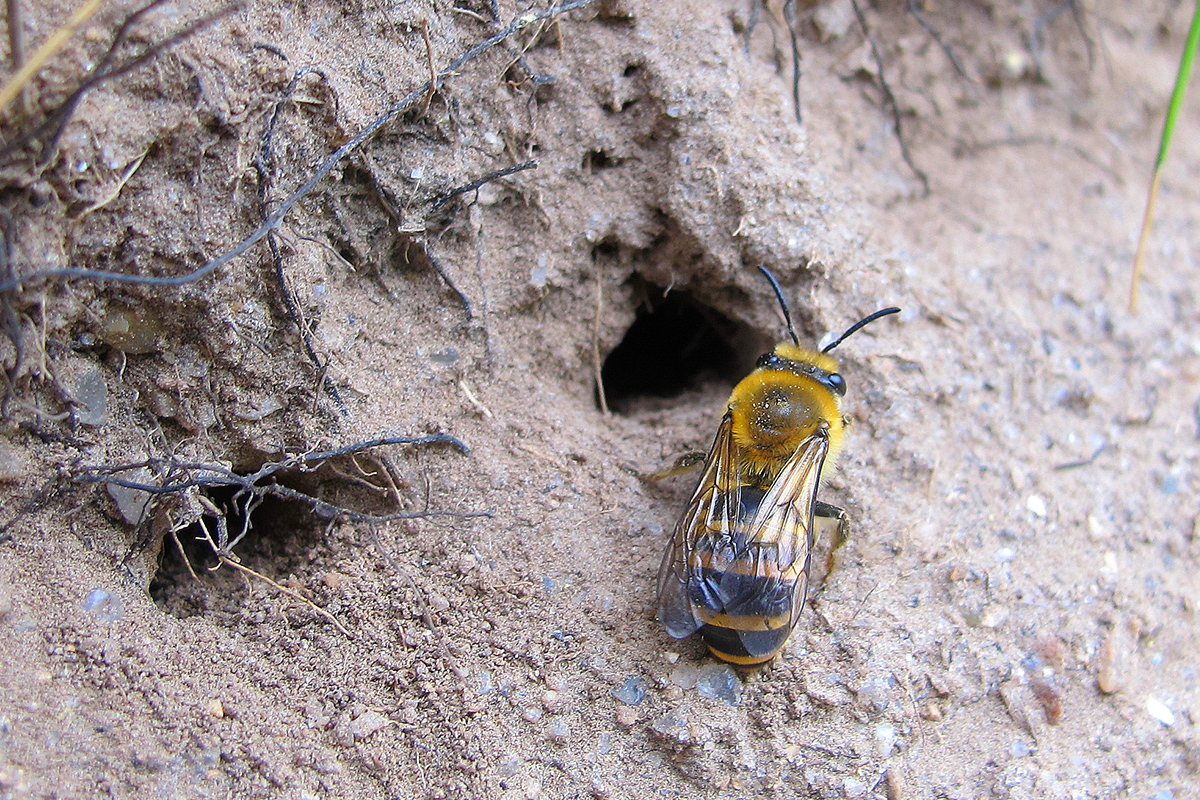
<point>781,537</point>
<point>711,512</point>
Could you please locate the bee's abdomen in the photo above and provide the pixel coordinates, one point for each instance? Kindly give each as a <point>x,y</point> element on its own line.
<point>743,648</point>
<point>747,618</point>
<point>742,594</point>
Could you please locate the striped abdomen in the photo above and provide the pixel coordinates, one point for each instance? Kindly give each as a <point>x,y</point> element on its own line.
<point>745,598</point>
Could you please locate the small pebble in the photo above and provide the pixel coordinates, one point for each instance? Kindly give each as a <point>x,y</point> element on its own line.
<point>1109,662</point>
<point>558,732</point>
<point>13,463</point>
<point>105,606</point>
<point>130,331</point>
<point>368,723</point>
<point>632,692</point>
<point>833,20</point>
<point>1158,709</point>
<point>672,727</point>
<point>720,682</point>
<point>885,739</point>
<point>874,693</point>
<point>92,394</point>
<point>672,694</point>
<point>626,716</point>
<point>993,616</point>
<point>685,676</point>
<point>1036,505</point>
<point>1047,694</point>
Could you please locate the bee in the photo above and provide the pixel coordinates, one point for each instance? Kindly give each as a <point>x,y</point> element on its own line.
<point>736,570</point>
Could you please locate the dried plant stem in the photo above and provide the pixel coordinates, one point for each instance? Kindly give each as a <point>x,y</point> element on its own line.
<point>51,46</point>
<point>290,593</point>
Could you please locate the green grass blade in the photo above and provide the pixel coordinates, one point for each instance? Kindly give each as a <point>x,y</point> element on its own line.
<point>1181,81</point>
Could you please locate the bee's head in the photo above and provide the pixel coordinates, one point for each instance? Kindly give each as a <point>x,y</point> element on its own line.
<point>818,366</point>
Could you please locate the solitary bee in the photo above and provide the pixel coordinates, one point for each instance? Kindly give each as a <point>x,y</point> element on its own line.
<point>736,569</point>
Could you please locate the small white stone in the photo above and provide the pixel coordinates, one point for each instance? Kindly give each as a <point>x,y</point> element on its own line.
<point>1036,505</point>
<point>1158,709</point>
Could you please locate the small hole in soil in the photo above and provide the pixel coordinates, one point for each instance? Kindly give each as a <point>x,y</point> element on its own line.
<point>596,160</point>
<point>280,542</point>
<point>676,344</point>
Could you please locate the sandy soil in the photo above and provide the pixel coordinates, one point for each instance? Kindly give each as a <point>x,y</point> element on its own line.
<point>1015,613</point>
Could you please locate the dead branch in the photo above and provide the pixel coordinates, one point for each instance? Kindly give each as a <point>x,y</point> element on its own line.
<point>180,476</point>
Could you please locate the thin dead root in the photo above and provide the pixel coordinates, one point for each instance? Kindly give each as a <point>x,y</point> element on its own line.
<point>889,101</point>
<point>290,593</point>
<point>263,162</point>
<point>187,562</point>
<point>116,191</point>
<point>478,182</point>
<point>483,410</point>
<point>789,19</point>
<point>915,10</point>
<point>433,81</point>
<point>597,363</point>
<point>359,480</point>
<point>1037,42</point>
<point>16,41</point>
<point>446,279</point>
<point>394,480</point>
<point>25,70</point>
<point>466,12</point>
<point>180,476</point>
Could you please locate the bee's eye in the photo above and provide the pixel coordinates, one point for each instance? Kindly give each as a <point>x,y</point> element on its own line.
<point>836,383</point>
<point>767,361</point>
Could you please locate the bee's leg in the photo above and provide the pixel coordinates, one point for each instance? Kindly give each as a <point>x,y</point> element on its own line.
<point>832,521</point>
<point>684,463</point>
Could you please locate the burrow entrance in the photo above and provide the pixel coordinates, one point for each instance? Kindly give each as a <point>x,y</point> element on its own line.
<point>676,344</point>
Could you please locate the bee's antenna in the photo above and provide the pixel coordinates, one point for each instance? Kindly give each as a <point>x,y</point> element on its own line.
<point>883,312</point>
<point>787,316</point>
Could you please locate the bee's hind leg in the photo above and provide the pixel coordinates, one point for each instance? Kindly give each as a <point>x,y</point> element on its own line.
<point>832,521</point>
<point>685,463</point>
